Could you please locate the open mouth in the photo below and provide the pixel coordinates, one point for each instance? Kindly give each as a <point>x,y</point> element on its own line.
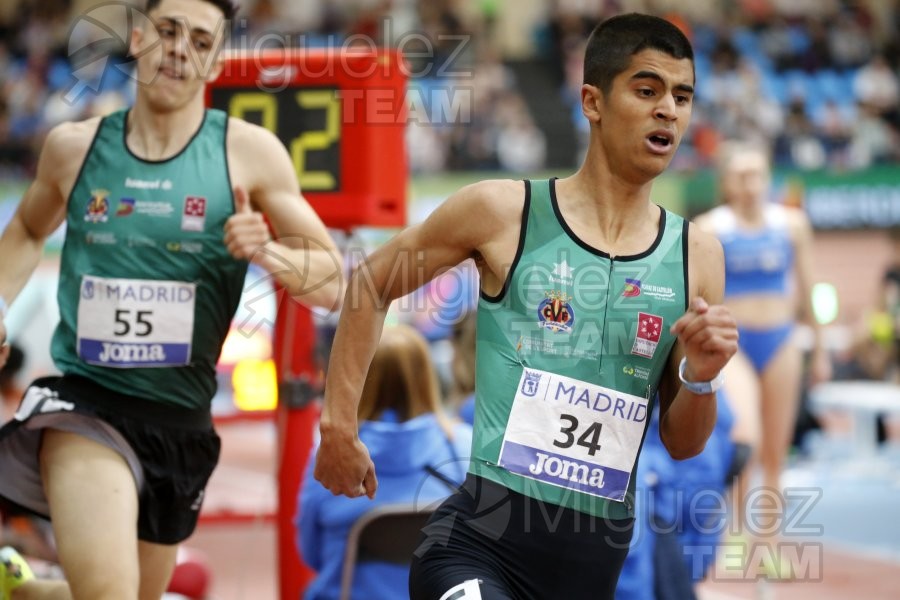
<point>661,141</point>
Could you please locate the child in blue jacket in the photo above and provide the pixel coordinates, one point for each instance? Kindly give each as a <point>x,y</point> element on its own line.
<point>419,456</point>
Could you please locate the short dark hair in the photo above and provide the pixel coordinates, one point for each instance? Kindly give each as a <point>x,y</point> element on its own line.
<point>614,41</point>
<point>227,7</point>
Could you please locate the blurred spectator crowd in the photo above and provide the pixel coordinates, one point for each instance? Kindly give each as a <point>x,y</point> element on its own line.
<point>816,80</point>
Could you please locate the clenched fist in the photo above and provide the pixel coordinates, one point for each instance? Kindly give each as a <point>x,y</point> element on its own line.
<point>246,232</point>
<point>709,337</point>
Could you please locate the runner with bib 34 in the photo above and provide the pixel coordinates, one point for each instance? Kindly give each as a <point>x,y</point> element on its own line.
<point>593,298</point>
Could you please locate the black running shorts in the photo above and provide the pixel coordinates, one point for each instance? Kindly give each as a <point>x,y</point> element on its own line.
<point>489,543</point>
<point>171,451</point>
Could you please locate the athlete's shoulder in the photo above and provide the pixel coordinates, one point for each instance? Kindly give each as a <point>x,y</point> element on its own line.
<point>477,214</point>
<point>70,139</point>
<point>493,197</point>
<point>251,143</point>
<point>794,218</point>
<point>703,241</point>
<point>65,150</point>
<point>244,131</point>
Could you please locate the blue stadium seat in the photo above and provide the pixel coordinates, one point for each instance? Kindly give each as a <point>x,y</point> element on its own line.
<point>831,86</point>
<point>745,41</point>
<point>774,86</point>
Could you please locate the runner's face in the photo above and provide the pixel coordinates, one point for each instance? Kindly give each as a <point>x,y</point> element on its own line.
<point>178,57</point>
<point>645,114</point>
<point>745,179</point>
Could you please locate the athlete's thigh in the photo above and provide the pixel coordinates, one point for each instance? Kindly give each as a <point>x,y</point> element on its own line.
<point>157,564</point>
<point>780,397</point>
<point>743,388</point>
<point>93,508</point>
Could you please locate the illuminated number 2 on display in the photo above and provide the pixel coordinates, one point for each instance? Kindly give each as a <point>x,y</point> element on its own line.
<point>321,139</point>
<point>307,121</point>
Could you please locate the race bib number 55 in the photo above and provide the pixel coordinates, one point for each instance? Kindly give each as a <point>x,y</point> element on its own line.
<point>573,434</point>
<point>135,322</point>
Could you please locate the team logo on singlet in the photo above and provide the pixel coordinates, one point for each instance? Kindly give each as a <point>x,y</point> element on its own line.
<point>126,207</point>
<point>636,371</point>
<point>194,216</point>
<point>98,207</point>
<point>659,292</point>
<point>556,313</point>
<point>632,288</point>
<point>646,339</point>
<point>562,273</point>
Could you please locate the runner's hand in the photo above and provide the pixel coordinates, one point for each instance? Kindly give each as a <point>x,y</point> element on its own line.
<point>343,466</point>
<point>246,232</point>
<point>709,337</point>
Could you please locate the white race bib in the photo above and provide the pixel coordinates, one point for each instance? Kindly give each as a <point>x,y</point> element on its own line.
<point>135,322</point>
<point>573,434</point>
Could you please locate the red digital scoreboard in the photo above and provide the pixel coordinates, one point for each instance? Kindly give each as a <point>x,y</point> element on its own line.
<point>341,115</point>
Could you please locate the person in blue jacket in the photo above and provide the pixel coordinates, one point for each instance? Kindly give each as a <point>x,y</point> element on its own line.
<point>420,455</point>
<point>681,512</point>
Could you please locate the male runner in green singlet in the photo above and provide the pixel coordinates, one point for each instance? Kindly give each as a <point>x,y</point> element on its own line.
<point>164,208</point>
<point>592,299</point>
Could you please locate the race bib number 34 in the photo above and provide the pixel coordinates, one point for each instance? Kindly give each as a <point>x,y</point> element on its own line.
<point>573,434</point>
<point>135,322</point>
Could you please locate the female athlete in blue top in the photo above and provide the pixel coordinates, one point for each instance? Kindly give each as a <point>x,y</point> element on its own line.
<point>768,283</point>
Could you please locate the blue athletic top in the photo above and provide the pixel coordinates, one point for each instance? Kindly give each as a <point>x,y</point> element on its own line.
<point>755,260</point>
